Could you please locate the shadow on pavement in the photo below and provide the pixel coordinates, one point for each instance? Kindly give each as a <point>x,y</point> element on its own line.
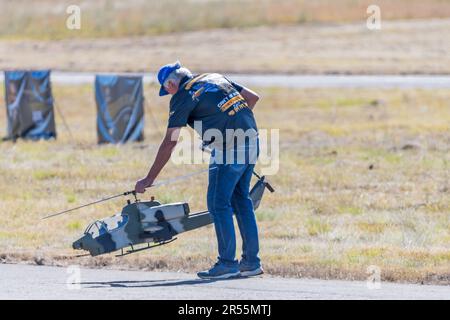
<point>151,283</point>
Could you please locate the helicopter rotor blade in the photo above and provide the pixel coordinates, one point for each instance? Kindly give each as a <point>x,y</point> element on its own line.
<point>179,178</point>
<point>133,192</point>
<point>89,204</point>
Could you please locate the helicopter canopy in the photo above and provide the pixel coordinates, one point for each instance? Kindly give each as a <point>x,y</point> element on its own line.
<point>100,227</point>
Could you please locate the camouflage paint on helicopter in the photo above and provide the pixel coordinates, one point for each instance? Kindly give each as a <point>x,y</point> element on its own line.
<point>149,222</point>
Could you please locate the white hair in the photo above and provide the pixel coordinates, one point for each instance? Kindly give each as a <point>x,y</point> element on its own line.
<point>177,75</point>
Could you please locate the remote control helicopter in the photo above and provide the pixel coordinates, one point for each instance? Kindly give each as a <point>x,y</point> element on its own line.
<point>144,225</point>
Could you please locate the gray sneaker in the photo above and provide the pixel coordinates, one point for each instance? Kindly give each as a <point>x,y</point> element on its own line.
<point>247,271</point>
<point>219,271</point>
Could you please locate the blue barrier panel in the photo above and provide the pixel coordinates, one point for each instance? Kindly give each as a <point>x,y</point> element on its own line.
<point>29,105</point>
<point>120,110</point>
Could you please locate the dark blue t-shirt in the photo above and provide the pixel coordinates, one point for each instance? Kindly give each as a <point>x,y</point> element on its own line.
<point>211,101</point>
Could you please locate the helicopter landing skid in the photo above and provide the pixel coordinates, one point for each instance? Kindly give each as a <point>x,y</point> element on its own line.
<point>145,248</point>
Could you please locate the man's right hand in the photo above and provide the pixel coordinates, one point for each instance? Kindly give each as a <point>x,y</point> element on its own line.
<point>142,184</point>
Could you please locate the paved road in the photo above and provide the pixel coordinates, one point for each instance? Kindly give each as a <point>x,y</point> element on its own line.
<point>292,81</point>
<point>43,282</point>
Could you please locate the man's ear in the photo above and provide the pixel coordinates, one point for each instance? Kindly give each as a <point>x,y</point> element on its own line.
<point>172,86</point>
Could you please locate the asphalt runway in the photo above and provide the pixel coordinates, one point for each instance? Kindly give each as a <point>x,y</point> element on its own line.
<point>18,281</point>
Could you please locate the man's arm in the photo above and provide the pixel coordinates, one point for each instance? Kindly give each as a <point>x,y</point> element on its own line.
<point>162,157</point>
<point>250,96</point>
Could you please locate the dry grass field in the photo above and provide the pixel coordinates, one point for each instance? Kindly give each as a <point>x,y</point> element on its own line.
<point>270,36</point>
<point>113,18</point>
<point>401,47</point>
<point>363,180</point>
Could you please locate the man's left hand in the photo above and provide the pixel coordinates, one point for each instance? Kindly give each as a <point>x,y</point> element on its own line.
<point>142,184</point>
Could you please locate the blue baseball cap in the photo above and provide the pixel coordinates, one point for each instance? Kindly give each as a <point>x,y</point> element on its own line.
<point>163,73</point>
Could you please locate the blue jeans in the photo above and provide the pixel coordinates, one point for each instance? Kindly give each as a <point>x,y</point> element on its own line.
<point>228,192</point>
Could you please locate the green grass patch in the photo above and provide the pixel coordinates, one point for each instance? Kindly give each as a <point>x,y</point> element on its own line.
<point>316,227</point>
<point>354,211</point>
<point>351,102</point>
<point>71,197</point>
<point>109,152</point>
<point>372,227</point>
<point>364,255</point>
<point>266,214</point>
<point>74,225</point>
<point>44,174</point>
